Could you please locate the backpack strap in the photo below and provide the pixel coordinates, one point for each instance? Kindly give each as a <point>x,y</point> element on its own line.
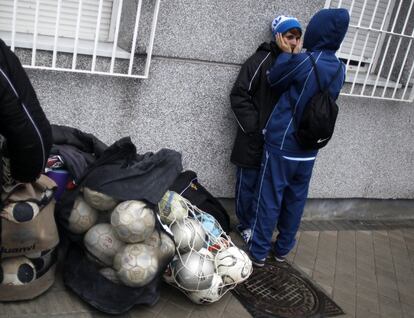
<point>317,73</point>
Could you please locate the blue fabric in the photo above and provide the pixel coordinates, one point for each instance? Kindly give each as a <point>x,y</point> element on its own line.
<point>279,201</point>
<point>245,189</point>
<point>294,75</point>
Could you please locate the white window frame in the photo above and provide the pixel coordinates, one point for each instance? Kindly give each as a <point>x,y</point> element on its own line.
<point>369,75</point>
<point>76,46</point>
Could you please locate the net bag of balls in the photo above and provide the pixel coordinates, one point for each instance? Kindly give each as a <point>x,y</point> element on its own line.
<point>28,235</point>
<point>118,248</point>
<point>118,251</point>
<point>207,264</point>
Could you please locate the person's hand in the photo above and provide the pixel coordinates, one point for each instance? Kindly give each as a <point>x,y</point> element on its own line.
<point>298,47</point>
<point>282,44</point>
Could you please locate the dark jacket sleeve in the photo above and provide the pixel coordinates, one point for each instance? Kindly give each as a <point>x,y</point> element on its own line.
<point>22,120</point>
<point>247,114</point>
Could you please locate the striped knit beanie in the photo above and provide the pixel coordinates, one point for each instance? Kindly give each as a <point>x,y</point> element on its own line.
<point>282,24</point>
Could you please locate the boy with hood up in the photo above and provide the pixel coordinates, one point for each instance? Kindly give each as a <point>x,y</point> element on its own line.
<point>286,168</point>
<point>252,101</point>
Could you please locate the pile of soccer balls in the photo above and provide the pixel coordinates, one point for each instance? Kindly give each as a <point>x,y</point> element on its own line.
<point>121,237</point>
<point>207,264</point>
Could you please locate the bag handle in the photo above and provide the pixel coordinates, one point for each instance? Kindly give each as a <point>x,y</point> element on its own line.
<point>317,73</point>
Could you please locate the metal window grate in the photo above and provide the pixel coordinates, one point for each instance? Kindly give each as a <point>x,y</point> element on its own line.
<point>85,36</point>
<point>378,48</point>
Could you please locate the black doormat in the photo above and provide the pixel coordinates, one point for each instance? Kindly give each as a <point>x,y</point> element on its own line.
<point>279,290</point>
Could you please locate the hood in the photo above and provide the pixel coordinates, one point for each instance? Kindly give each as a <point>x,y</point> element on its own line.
<point>326,30</point>
<point>269,47</point>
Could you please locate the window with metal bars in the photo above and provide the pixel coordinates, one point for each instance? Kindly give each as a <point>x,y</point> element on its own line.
<point>86,36</point>
<point>377,48</point>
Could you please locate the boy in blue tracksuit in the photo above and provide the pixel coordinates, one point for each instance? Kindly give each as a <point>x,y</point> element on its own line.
<point>286,168</point>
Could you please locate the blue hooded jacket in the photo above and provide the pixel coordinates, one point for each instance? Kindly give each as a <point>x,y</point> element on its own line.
<point>294,75</point>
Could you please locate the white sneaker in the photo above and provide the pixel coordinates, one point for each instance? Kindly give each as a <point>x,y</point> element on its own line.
<point>244,233</point>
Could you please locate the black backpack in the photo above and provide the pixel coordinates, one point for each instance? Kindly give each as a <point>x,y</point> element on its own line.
<point>317,124</point>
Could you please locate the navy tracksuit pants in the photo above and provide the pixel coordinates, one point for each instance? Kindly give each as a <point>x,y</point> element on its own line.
<point>280,197</point>
<point>246,181</point>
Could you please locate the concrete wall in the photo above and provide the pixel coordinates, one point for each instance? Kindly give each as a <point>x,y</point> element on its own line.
<point>184,105</point>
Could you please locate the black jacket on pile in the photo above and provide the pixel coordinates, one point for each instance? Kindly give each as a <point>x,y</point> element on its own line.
<point>22,120</point>
<point>252,101</point>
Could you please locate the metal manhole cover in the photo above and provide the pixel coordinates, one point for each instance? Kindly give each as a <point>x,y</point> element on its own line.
<point>279,290</point>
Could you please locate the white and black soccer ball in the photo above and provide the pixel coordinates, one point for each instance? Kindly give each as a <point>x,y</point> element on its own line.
<point>233,265</point>
<point>166,249</point>
<point>136,264</point>
<point>20,212</point>
<point>17,271</point>
<point>172,207</point>
<point>101,241</point>
<point>98,200</point>
<point>43,260</point>
<point>188,235</point>
<point>154,240</point>
<point>193,271</point>
<point>82,217</point>
<point>110,274</point>
<point>210,295</point>
<point>133,221</point>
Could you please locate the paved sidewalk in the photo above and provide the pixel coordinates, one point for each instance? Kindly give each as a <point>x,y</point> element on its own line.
<point>369,273</point>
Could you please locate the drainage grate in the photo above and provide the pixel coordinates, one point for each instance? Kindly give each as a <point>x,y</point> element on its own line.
<point>279,290</point>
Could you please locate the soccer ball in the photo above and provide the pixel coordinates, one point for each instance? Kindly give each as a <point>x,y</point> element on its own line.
<point>154,240</point>
<point>98,200</point>
<point>102,242</point>
<point>82,217</point>
<point>172,207</point>
<point>188,235</point>
<point>166,249</point>
<point>193,271</point>
<point>209,295</point>
<point>136,265</point>
<point>17,271</point>
<point>20,212</point>
<point>43,260</point>
<point>233,265</point>
<point>110,274</point>
<point>133,221</point>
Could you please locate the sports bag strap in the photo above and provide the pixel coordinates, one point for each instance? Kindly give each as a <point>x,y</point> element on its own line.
<point>317,73</point>
<point>316,70</point>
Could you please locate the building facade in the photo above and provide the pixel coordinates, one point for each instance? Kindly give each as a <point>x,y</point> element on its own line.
<point>196,55</point>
